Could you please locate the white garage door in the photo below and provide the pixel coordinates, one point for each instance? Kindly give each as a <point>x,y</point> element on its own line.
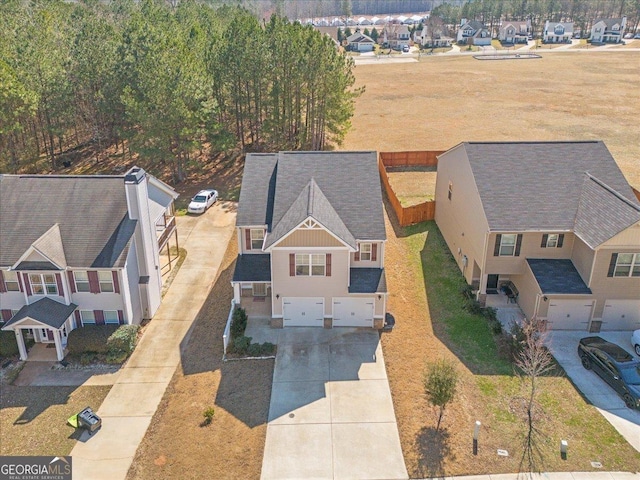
<point>303,311</point>
<point>569,314</point>
<point>353,312</point>
<point>621,315</point>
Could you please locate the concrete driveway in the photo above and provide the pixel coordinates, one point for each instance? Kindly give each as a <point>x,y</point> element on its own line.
<point>564,346</point>
<point>331,414</point>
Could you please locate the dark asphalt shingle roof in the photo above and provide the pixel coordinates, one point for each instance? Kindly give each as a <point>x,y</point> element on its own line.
<point>46,311</point>
<point>557,276</point>
<point>255,205</point>
<point>610,22</point>
<point>537,185</point>
<point>367,280</point>
<point>253,268</point>
<point>31,265</point>
<point>91,212</point>
<point>602,213</point>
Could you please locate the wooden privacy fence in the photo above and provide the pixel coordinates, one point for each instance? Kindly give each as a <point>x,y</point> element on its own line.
<point>415,213</point>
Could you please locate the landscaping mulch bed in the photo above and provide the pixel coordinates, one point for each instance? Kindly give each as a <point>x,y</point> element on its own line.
<point>178,443</point>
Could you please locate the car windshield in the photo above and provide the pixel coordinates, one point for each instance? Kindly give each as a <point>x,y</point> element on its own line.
<point>631,374</point>
<point>199,198</point>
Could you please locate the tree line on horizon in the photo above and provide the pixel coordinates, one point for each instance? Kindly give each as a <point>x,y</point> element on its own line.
<point>163,80</point>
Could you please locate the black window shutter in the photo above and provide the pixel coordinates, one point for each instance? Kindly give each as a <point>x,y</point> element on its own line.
<point>518,244</point>
<point>496,249</point>
<point>545,237</point>
<point>612,264</point>
<point>560,240</point>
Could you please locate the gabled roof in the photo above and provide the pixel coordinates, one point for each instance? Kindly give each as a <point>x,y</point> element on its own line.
<point>610,22</point>
<point>50,245</point>
<point>348,184</point>
<point>45,311</point>
<point>538,185</point>
<point>602,212</point>
<point>359,38</point>
<point>311,203</point>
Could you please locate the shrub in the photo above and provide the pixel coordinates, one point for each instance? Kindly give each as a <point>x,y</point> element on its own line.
<point>473,306</point>
<point>467,292</point>
<point>116,357</point>
<point>8,344</point>
<point>92,338</point>
<point>238,322</point>
<point>241,344</point>
<point>208,414</point>
<point>123,340</point>
<point>511,343</point>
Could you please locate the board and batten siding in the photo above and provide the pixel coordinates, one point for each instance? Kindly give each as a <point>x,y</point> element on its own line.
<point>310,237</point>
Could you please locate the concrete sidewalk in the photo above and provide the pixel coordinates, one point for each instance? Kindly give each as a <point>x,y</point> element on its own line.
<point>550,476</point>
<point>128,408</point>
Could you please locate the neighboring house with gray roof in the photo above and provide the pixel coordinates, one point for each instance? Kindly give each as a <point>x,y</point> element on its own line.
<point>80,250</point>
<point>473,33</point>
<point>311,238</point>
<point>556,219</point>
<point>396,35</point>
<point>359,42</point>
<point>608,30</point>
<point>557,32</point>
<point>515,32</point>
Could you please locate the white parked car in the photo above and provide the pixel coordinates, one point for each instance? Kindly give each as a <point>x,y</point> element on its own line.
<point>635,341</point>
<point>202,200</point>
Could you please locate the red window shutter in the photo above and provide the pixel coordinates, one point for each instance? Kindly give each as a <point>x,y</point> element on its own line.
<point>20,282</point>
<point>99,314</point>
<point>120,317</point>
<point>374,252</point>
<point>3,287</point>
<point>292,264</point>
<point>94,283</point>
<point>72,281</point>
<point>496,248</point>
<point>76,313</point>
<point>59,282</point>
<point>247,237</point>
<point>6,315</point>
<point>116,282</point>
<point>27,284</point>
<point>328,272</point>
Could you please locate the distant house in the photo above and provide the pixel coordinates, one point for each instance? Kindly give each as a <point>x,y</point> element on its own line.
<point>473,33</point>
<point>396,35</point>
<point>609,30</point>
<point>515,32</point>
<point>432,37</point>
<point>359,42</point>
<point>557,32</point>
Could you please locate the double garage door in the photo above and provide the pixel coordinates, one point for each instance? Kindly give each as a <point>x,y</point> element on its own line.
<point>309,312</point>
<point>575,315</point>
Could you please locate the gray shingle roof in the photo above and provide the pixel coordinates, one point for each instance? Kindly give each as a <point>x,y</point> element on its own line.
<point>50,245</point>
<point>32,265</point>
<point>557,276</point>
<point>349,181</point>
<point>46,311</point>
<point>537,185</point>
<point>610,22</point>
<point>91,212</point>
<point>602,213</point>
<point>367,280</point>
<point>253,268</point>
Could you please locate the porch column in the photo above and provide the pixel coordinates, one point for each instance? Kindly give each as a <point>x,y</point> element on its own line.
<point>236,292</point>
<point>58,340</point>
<point>22,348</point>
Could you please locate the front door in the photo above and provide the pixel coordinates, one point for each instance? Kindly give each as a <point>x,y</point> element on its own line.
<point>492,283</point>
<point>259,289</point>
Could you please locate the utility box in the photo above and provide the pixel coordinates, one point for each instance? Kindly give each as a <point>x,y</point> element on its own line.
<point>88,420</point>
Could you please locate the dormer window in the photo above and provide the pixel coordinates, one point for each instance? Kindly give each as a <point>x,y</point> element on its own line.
<point>558,30</point>
<point>257,238</point>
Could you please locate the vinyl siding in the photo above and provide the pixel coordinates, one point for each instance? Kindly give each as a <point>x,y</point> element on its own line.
<point>369,263</point>
<point>528,291</point>
<point>582,258</point>
<point>618,288</point>
<point>310,238</point>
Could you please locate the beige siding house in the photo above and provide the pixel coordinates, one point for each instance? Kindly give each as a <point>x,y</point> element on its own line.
<point>556,219</point>
<point>311,239</point>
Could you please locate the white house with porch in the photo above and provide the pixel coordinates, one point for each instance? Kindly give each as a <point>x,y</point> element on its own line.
<point>81,250</point>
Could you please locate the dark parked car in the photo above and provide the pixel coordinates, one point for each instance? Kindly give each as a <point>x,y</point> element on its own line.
<point>615,366</point>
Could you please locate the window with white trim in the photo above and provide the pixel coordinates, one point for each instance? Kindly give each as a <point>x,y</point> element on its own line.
<point>627,265</point>
<point>313,264</point>
<point>106,281</point>
<point>365,251</point>
<point>508,245</point>
<point>111,317</point>
<point>552,240</point>
<point>87,317</point>
<point>43,284</point>
<point>257,238</point>
<point>11,281</point>
<point>82,281</point>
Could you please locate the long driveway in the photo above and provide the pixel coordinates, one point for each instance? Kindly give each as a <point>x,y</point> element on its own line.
<point>128,408</point>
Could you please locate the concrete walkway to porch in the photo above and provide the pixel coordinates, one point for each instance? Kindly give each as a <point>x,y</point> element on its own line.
<point>128,408</point>
<point>508,312</point>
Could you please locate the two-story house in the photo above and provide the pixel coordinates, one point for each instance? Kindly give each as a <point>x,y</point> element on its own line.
<point>557,219</point>
<point>396,35</point>
<point>473,33</point>
<point>515,32</point>
<point>557,32</point>
<point>432,35</point>
<point>359,42</point>
<point>311,238</point>
<point>81,250</point>
<point>608,30</point>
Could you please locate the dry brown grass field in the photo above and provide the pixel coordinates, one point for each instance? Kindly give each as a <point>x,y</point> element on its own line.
<point>441,101</point>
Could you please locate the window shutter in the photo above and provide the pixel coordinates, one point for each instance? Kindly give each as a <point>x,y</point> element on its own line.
<point>94,283</point>
<point>612,264</point>
<point>518,244</point>
<point>292,264</point>
<point>560,240</point>
<point>356,256</point>
<point>374,252</point>
<point>27,284</point>
<point>328,266</point>
<point>76,313</point>
<point>247,237</point>
<point>545,238</point>
<point>496,248</point>
<point>20,282</point>
<point>99,314</point>
<point>3,288</point>
<point>116,282</point>
<point>120,317</point>
<point>6,315</point>
<point>72,281</point>
<point>59,282</point>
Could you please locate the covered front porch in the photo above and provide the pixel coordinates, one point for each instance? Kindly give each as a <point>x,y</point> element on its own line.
<point>48,322</point>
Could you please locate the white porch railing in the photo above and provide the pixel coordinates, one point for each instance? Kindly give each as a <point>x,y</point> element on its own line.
<point>226,336</point>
